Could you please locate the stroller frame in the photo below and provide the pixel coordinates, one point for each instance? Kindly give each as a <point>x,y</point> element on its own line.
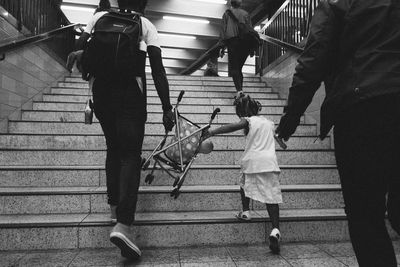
<point>169,165</point>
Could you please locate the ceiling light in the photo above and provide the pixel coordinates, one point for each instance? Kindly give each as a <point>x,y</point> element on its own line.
<point>186,19</point>
<point>77,8</point>
<point>177,35</point>
<point>213,1</point>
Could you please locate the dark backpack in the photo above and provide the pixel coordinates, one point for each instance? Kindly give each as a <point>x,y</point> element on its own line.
<point>114,46</point>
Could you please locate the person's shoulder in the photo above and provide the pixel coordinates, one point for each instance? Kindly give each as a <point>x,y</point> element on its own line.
<point>147,24</point>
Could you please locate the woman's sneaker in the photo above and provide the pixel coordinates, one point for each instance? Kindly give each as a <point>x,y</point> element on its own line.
<point>120,237</point>
<point>243,215</point>
<point>274,239</point>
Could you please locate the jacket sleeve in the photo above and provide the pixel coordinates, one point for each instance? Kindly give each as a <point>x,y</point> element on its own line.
<point>315,61</point>
<point>223,30</point>
<point>159,76</point>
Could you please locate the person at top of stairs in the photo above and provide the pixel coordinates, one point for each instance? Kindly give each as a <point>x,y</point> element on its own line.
<point>354,48</point>
<point>120,106</point>
<point>238,49</point>
<point>259,165</point>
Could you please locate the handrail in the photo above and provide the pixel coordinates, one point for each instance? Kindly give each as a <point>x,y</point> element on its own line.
<point>280,43</point>
<point>201,60</point>
<point>34,39</point>
<point>286,29</point>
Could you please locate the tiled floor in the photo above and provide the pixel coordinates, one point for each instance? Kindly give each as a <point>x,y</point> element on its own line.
<point>292,254</point>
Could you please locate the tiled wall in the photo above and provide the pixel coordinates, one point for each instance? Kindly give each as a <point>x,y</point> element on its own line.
<point>279,77</point>
<point>25,74</point>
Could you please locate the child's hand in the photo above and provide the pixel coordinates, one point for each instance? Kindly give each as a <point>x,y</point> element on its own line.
<point>206,134</point>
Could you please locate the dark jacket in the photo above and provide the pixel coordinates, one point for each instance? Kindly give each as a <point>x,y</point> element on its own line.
<point>354,48</point>
<point>229,27</point>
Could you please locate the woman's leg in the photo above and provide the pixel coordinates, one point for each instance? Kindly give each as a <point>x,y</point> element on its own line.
<point>102,106</point>
<point>234,62</point>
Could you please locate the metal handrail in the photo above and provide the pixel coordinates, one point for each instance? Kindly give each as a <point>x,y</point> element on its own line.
<point>11,45</point>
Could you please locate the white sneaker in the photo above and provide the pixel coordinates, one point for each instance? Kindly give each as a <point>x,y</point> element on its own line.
<point>243,215</point>
<point>119,237</point>
<point>274,239</point>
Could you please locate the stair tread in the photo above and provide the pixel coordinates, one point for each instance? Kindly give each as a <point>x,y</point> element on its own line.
<point>152,218</point>
<point>199,166</point>
<point>155,189</point>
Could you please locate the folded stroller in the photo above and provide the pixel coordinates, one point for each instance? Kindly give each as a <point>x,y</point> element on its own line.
<point>177,157</point>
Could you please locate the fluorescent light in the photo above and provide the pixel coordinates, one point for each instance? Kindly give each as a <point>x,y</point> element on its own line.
<point>186,19</point>
<point>223,2</point>
<point>177,35</point>
<point>77,8</point>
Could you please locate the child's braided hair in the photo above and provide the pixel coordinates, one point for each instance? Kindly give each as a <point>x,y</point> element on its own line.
<point>246,106</point>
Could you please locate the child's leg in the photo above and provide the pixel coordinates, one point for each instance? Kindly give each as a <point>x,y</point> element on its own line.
<point>245,200</point>
<point>273,212</point>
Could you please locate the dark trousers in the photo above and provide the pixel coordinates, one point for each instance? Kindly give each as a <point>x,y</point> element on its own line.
<point>238,51</point>
<point>367,148</point>
<point>120,109</point>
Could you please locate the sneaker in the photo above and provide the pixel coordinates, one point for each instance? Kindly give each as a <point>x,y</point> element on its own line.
<point>243,215</point>
<point>113,213</point>
<point>119,237</point>
<point>274,239</point>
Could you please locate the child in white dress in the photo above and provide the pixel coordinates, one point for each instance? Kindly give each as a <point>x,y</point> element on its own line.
<point>259,165</point>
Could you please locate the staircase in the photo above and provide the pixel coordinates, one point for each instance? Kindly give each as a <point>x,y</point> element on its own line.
<point>52,177</point>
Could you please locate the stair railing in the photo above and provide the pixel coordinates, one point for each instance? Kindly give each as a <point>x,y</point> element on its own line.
<point>60,42</point>
<point>286,30</point>
<point>38,16</point>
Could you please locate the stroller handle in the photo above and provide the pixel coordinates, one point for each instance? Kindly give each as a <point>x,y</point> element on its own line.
<point>215,112</point>
<point>181,95</point>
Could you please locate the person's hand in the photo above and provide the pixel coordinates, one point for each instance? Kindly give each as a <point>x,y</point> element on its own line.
<point>73,57</point>
<point>206,134</point>
<point>168,120</point>
<point>287,126</point>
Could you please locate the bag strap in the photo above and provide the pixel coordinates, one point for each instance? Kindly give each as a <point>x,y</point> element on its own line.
<point>230,13</point>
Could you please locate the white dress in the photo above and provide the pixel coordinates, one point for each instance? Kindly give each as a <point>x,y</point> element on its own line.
<point>259,164</point>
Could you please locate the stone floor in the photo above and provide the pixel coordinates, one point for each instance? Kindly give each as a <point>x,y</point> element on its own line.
<point>292,254</point>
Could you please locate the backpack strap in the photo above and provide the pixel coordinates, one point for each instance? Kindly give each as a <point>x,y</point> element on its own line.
<point>234,18</point>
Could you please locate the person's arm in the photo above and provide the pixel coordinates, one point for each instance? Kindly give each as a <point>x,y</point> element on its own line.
<point>150,37</point>
<point>228,128</point>
<point>312,68</point>
<point>221,42</point>
<point>159,76</point>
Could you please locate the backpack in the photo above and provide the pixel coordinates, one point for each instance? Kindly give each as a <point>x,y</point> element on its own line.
<point>246,33</point>
<point>114,45</point>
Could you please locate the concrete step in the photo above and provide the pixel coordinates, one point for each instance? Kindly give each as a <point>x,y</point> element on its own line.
<point>91,142</point>
<point>182,83</point>
<point>77,78</point>
<point>47,200</point>
<point>78,116</point>
<point>174,94</point>
<point>183,108</point>
<point>249,89</point>
<point>77,176</point>
<point>156,100</point>
<point>97,157</point>
<point>168,229</point>
<point>78,127</point>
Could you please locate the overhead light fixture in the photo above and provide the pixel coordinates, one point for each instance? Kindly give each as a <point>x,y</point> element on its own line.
<point>223,2</point>
<point>177,35</point>
<point>77,8</point>
<point>204,21</point>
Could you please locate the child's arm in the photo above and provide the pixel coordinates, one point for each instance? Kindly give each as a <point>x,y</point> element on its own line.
<point>228,128</point>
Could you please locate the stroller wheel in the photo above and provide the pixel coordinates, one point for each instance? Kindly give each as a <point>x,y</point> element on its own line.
<point>175,193</point>
<point>149,178</point>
